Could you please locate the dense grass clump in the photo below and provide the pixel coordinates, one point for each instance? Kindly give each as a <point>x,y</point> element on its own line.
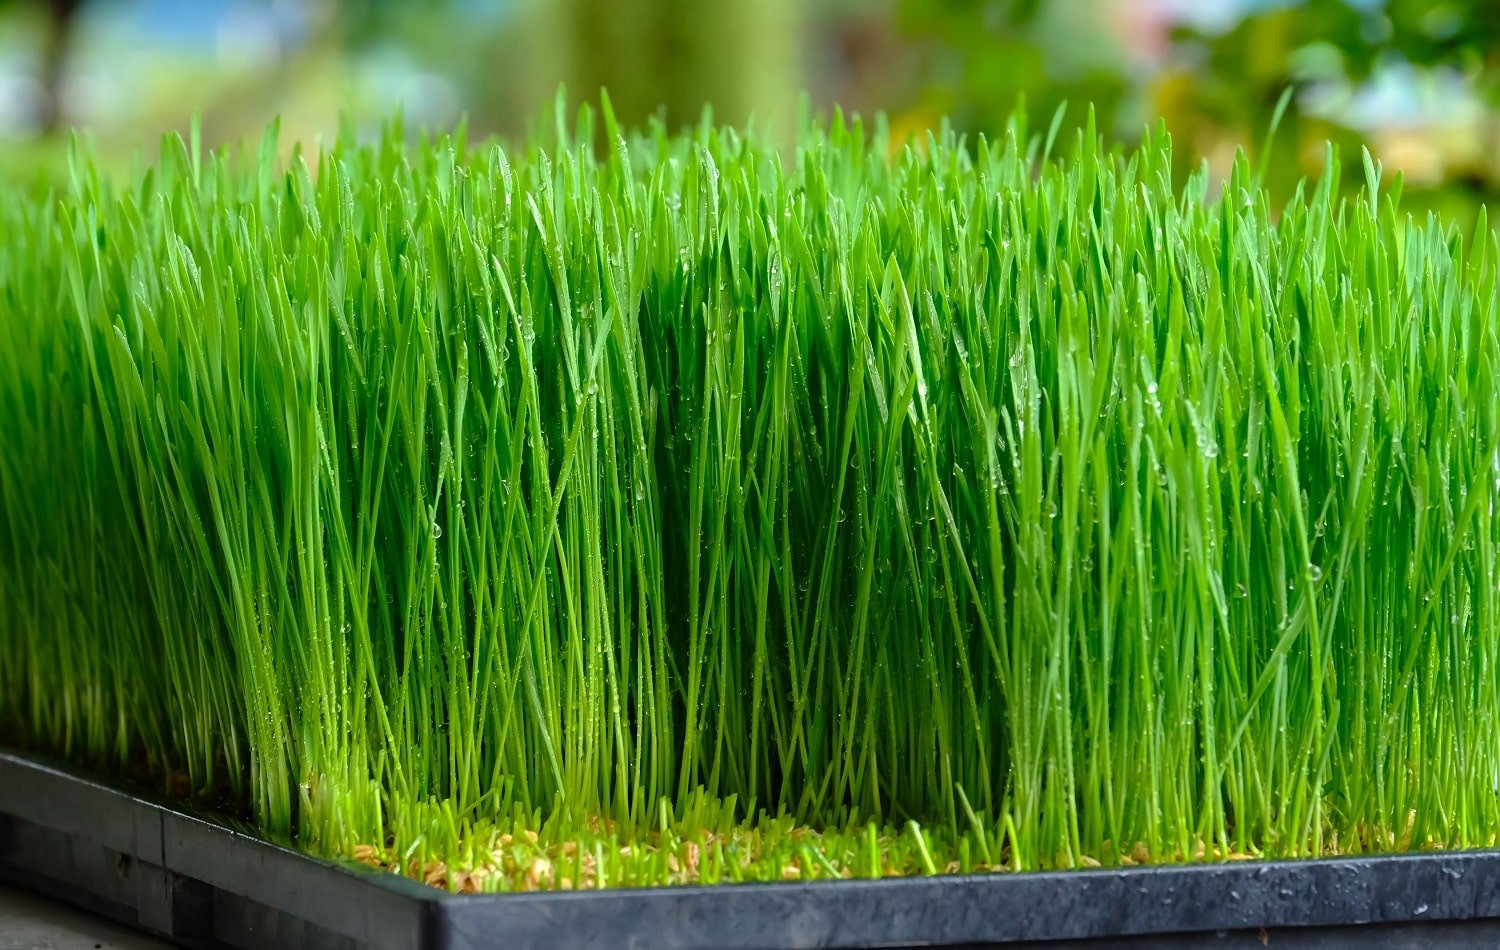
<point>690,509</point>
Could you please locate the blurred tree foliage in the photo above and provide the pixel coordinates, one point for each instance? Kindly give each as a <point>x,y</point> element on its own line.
<point>1216,85</point>
<point>1457,34</point>
<point>1215,78</point>
<point>1233,78</point>
<point>972,60</point>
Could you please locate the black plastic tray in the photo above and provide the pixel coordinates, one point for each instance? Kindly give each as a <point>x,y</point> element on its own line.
<point>203,884</point>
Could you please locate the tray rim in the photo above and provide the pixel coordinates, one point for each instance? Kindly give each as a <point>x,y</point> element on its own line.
<point>178,851</point>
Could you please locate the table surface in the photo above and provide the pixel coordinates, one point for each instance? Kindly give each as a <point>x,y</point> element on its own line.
<point>31,922</point>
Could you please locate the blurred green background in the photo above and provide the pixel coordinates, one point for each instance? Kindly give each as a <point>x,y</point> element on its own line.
<point>1418,81</point>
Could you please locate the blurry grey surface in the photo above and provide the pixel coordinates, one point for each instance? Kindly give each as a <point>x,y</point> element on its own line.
<point>31,922</point>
